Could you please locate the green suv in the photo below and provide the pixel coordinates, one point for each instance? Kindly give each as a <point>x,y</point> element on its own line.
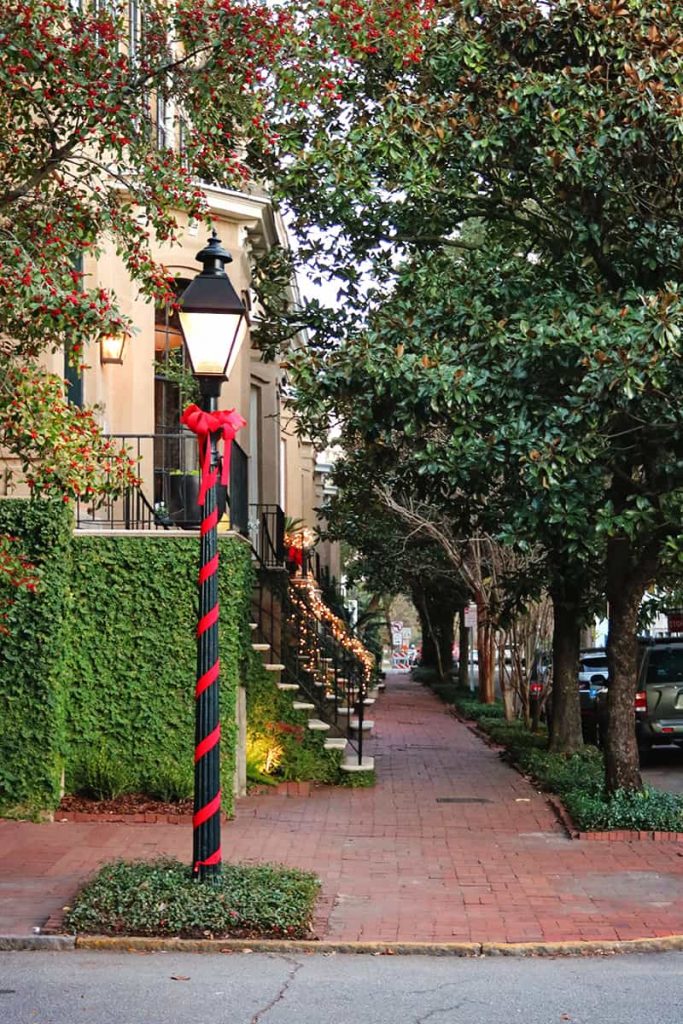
<point>658,705</point>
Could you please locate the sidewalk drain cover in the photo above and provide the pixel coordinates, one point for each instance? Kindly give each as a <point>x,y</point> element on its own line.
<point>462,800</point>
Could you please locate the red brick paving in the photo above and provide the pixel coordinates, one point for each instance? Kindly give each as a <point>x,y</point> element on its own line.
<point>395,864</point>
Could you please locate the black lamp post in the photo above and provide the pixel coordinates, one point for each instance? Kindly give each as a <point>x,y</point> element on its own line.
<point>213,322</point>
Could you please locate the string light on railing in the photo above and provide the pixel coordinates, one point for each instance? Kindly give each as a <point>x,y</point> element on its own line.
<point>313,602</point>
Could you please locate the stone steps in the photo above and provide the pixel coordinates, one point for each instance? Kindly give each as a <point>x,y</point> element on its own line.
<point>316,725</point>
<point>351,765</point>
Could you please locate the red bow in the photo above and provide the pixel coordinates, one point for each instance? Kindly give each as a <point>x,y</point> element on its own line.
<point>295,555</point>
<point>203,424</point>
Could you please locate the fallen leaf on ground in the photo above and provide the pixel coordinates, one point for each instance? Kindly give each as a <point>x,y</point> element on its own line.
<point>180,977</point>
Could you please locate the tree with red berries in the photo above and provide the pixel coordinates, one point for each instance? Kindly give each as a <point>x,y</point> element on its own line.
<point>117,111</point>
<point>113,110</point>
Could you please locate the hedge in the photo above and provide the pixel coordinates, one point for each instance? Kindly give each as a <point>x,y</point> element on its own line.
<point>97,669</point>
<point>131,659</point>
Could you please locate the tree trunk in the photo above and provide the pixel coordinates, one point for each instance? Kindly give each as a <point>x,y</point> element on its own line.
<point>441,618</point>
<point>628,575</point>
<point>508,695</point>
<point>464,662</point>
<point>437,616</point>
<point>428,659</point>
<point>565,734</point>
<point>484,652</point>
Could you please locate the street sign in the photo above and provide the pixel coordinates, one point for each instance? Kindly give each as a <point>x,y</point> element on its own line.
<point>396,633</point>
<point>471,616</point>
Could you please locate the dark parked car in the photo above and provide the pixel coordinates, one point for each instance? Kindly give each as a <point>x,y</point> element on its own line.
<point>658,706</point>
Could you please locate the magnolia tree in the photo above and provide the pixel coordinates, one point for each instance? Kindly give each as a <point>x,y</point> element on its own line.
<point>555,128</point>
<point>390,561</point>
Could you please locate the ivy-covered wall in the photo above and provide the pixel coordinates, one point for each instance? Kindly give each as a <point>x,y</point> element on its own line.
<point>97,668</point>
<point>33,657</point>
<point>131,659</point>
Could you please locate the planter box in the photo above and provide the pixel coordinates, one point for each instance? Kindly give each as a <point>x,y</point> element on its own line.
<point>183,497</point>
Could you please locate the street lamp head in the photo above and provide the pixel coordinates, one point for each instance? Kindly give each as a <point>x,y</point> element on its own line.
<point>212,318</point>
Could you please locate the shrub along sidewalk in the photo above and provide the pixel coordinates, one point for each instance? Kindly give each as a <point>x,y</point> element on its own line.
<point>578,780</point>
<point>160,898</point>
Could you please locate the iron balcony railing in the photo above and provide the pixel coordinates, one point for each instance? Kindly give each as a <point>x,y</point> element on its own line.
<point>167,465</point>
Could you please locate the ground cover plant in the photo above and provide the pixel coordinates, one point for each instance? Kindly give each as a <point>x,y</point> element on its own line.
<point>161,898</point>
<point>578,779</point>
<point>279,746</point>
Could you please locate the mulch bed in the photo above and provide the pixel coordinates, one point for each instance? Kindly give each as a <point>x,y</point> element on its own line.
<point>127,807</point>
<point>141,809</point>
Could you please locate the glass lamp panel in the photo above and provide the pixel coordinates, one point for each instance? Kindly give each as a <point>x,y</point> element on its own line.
<point>210,340</point>
<point>111,350</point>
<point>236,345</point>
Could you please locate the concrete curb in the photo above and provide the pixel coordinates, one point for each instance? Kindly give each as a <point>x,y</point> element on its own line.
<point>139,944</point>
<point>37,942</point>
<point>580,947</point>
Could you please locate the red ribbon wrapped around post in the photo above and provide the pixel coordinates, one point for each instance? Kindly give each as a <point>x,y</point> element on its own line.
<point>204,424</point>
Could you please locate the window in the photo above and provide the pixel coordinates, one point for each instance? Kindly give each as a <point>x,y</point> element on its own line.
<point>72,374</point>
<point>665,665</point>
<point>161,121</point>
<point>74,382</point>
<point>591,664</point>
<point>169,365</point>
<point>133,28</point>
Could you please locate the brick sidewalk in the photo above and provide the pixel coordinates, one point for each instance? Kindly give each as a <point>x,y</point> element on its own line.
<point>450,845</point>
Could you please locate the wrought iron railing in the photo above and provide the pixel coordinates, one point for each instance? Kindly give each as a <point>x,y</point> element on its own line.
<point>327,674</point>
<point>267,535</point>
<point>167,496</point>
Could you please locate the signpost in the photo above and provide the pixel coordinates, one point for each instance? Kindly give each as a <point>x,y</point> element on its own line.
<point>471,624</point>
<point>471,616</point>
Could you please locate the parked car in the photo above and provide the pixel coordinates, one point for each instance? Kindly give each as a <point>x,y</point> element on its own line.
<point>592,679</point>
<point>658,705</point>
<point>592,666</point>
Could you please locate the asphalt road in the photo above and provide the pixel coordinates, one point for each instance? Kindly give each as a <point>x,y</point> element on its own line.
<point>663,769</point>
<point>174,988</point>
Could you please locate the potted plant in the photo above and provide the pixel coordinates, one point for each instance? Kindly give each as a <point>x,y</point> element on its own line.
<point>183,498</point>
